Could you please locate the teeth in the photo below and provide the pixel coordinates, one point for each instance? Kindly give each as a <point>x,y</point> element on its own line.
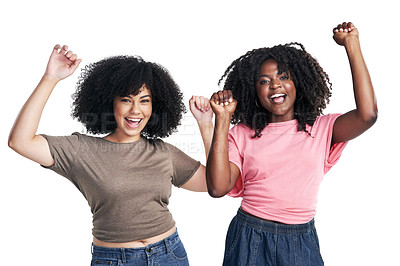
<point>277,95</point>
<point>134,119</point>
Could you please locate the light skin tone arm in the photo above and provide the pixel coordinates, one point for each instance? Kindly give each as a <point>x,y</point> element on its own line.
<point>352,124</point>
<point>23,138</point>
<point>201,110</point>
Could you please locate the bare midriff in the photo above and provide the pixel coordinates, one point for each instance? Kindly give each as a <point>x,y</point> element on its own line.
<point>135,244</point>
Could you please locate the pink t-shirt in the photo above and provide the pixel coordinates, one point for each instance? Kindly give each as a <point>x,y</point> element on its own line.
<point>280,173</point>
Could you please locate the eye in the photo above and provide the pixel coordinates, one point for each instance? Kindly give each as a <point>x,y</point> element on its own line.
<point>125,100</point>
<point>264,81</point>
<point>145,101</point>
<point>284,77</point>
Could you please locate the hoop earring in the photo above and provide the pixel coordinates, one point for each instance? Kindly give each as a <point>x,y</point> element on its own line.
<point>256,103</point>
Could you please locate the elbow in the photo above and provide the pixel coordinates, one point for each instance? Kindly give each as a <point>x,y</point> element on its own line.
<point>371,117</point>
<point>12,143</point>
<point>16,144</point>
<point>368,117</point>
<point>217,190</point>
<point>214,188</point>
<point>215,193</point>
<point>218,181</point>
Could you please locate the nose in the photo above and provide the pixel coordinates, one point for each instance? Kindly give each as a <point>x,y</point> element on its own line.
<point>276,83</point>
<point>134,109</point>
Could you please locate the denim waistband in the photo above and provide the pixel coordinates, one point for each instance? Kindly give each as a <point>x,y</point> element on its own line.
<point>273,227</point>
<point>163,246</point>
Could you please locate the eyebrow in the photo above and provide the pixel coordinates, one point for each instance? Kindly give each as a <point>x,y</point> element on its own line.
<point>130,97</point>
<point>268,76</point>
<point>144,96</point>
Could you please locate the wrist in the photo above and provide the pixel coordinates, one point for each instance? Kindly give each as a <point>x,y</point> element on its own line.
<point>351,42</point>
<point>50,78</point>
<point>223,121</point>
<point>206,123</point>
<point>223,116</point>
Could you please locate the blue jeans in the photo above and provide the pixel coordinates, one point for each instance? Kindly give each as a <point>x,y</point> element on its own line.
<point>253,241</point>
<point>169,251</point>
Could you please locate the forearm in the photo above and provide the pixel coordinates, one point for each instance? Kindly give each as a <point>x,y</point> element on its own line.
<point>218,173</point>
<point>363,90</point>
<point>206,131</point>
<point>27,121</point>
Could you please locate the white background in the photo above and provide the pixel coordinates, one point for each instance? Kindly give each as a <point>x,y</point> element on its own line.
<point>44,218</point>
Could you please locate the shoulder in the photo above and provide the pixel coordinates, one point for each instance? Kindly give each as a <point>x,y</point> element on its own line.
<point>240,129</point>
<point>165,146</point>
<point>324,123</point>
<point>241,133</point>
<point>80,137</point>
<point>156,144</point>
<point>74,138</point>
<point>325,120</point>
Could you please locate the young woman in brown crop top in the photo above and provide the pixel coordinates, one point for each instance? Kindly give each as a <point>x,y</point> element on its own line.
<point>126,176</point>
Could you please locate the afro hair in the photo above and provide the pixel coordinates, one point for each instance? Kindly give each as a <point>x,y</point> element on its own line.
<point>100,82</point>
<point>313,88</point>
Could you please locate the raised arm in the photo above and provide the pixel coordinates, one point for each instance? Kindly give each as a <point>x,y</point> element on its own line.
<point>221,174</point>
<point>23,138</point>
<point>201,110</point>
<point>357,121</point>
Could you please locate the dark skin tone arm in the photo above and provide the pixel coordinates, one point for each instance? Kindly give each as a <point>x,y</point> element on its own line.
<point>352,124</point>
<point>222,175</point>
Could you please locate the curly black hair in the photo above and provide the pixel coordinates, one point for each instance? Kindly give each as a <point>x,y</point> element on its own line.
<point>312,84</point>
<point>100,82</point>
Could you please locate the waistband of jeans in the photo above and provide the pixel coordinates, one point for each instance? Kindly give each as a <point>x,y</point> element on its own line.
<point>273,227</point>
<point>162,246</point>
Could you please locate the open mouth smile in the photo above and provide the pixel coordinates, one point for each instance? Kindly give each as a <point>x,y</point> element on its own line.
<point>278,98</point>
<point>133,122</point>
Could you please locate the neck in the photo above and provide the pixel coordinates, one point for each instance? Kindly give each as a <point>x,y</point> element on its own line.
<point>272,118</point>
<point>115,137</point>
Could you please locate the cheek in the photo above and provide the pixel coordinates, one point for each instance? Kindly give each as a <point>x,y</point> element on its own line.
<point>262,94</point>
<point>148,110</point>
<point>118,110</point>
<point>290,88</point>
<point>259,92</point>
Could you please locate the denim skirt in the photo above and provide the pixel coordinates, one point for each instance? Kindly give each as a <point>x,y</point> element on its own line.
<point>169,251</point>
<point>256,242</point>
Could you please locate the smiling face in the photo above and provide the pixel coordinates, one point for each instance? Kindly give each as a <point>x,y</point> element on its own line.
<point>131,114</point>
<point>276,92</point>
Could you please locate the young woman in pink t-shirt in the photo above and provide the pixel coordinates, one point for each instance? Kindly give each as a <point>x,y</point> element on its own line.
<point>282,145</point>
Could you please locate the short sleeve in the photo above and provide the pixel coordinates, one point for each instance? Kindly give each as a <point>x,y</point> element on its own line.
<point>237,159</point>
<point>63,149</point>
<point>183,166</point>
<point>332,154</point>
